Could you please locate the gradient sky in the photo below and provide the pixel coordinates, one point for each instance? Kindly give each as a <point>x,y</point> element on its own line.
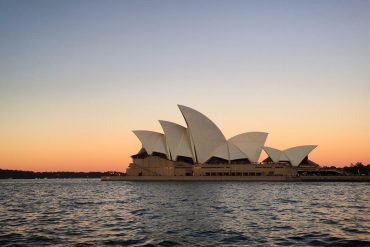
<point>77,76</point>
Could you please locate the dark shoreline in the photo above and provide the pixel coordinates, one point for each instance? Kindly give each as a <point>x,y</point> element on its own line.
<point>15,174</point>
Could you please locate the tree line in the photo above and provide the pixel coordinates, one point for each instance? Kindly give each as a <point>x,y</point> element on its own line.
<point>357,169</point>
<point>16,174</point>
<point>354,169</point>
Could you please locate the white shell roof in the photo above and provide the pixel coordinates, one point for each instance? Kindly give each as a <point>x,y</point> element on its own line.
<point>152,141</point>
<point>294,155</point>
<point>221,152</point>
<point>233,152</point>
<point>273,153</point>
<point>177,139</point>
<point>204,134</point>
<point>203,139</point>
<point>250,143</point>
<point>297,154</point>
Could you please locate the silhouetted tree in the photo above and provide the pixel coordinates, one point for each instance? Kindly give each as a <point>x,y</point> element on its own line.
<point>357,169</point>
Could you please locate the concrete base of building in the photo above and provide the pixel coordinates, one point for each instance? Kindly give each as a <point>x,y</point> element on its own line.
<point>241,178</point>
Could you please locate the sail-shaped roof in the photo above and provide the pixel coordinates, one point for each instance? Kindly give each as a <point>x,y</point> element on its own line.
<point>177,139</point>
<point>152,141</point>
<point>297,154</point>
<point>205,135</point>
<point>203,139</point>
<point>273,153</point>
<point>294,155</point>
<point>235,152</point>
<point>250,143</point>
<point>221,152</point>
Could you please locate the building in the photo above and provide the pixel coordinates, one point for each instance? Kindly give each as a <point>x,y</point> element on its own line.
<point>201,149</point>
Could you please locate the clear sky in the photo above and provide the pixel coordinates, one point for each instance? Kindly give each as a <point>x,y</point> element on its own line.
<point>77,76</point>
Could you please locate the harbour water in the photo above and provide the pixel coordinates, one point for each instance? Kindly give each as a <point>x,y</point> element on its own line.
<point>88,212</point>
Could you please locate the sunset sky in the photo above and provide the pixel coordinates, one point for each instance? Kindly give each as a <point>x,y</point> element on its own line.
<point>76,77</point>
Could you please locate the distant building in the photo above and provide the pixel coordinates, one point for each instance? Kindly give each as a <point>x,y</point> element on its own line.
<point>201,149</point>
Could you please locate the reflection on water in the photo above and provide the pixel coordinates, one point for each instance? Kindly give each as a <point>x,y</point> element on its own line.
<point>91,212</point>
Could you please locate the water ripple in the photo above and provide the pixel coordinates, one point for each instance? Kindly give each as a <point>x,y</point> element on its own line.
<point>94,213</point>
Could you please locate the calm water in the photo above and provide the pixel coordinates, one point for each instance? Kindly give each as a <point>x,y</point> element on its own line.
<point>91,212</point>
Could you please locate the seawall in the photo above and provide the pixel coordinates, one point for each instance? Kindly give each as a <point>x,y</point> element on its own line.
<point>241,178</point>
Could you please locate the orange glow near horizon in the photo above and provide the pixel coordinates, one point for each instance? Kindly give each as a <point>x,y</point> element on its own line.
<point>117,159</point>
<point>89,149</point>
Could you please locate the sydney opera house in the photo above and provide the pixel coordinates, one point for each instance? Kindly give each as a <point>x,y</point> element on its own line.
<point>201,149</point>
